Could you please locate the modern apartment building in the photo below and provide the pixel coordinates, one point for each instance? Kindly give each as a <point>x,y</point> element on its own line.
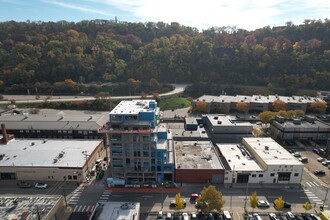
<point>141,149</point>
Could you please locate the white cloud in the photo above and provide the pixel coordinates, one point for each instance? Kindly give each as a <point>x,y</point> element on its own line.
<point>78,7</point>
<point>247,14</point>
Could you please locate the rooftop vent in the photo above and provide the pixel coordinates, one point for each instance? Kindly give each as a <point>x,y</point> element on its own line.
<point>32,143</point>
<point>55,160</point>
<point>266,148</point>
<point>219,122</point>
<point>60,155</point>
<point>215,118</point>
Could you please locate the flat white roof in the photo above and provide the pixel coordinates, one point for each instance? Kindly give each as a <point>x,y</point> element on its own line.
<point>233,154</point>
<point>36,152</point>
<point>133,107</point>
<point>226,120</point>
<point>270,151</point>
<point>117,210</point>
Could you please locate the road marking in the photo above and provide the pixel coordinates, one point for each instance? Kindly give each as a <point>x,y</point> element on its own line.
<point>239,217</point>
<point>107,192</point>
<point>308,184</point>
<point>304,197</point>
<point>317,200</point>
<point>313,197</point>
<point>315,183</point>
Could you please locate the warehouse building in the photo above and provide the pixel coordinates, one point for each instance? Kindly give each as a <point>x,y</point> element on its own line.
<point>260,160</point>
<point>49,159</point>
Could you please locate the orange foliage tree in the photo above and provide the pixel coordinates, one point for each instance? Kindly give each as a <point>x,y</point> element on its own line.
<point>318,107</point>
<point>201,106</point>
<point>279,105</point>
<point>242,107</point>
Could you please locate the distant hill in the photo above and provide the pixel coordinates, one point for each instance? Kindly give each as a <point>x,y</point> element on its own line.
<point>34,54</point>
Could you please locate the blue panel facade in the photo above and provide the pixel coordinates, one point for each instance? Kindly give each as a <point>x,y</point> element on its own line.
<point>162,135</point>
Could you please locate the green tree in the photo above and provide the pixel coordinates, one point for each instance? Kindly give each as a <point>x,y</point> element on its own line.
<point>279,203</point>
<point>210,199</point>
<point>179,203</point>
<point>307,206</point>
<point>254,200</point>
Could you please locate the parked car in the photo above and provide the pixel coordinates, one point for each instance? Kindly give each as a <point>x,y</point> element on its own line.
<point>23,184</point>
<point>290,216</point>
<point>329,166</point>
<point>263,203</point>
<point>41,185</point>
<point>287,205</point>
<point>320,159</point>
<point>160,215</point>
<point>193,197</point>
<point>185,216</point>
<point>168,216</point>
<point>272,216</point>
<point>307,216</point>
<point>326,162</point>
<point>316,150</point>
<point>303,159</point>
<point>315,217</point>
<point>250,217</point>
<point>296,154</point>
<point>193,216</point>
<point>256,216</point>
<point>319,172</point>
<point>210,216</point>
<point>299,217</point>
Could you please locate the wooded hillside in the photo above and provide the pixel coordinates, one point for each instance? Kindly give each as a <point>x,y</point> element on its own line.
<point>38,53</point>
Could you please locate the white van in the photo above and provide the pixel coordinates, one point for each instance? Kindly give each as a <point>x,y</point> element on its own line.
<point>226,215</point>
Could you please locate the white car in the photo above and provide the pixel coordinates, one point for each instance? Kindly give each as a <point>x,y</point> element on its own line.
<point>320,159</point>
<point>185,216</point>
<point>263,203</point>
<point>273,216</point>
<point>41,185</point>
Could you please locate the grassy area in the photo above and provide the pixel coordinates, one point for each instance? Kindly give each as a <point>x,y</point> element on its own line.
<point>173,102</point>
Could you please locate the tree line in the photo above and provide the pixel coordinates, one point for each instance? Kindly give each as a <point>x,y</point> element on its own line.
<point>37,53</point>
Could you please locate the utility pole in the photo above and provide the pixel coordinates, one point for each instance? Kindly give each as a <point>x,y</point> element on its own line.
<point>66,204</point>
<point>325,197</point>
<point>86,158</point>
<point>246,194</point>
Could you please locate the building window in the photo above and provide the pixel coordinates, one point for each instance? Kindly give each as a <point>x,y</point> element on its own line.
<point>253,175</point>
<point>296,174</point>
<point>226,178</point>
<point>272,174</point>
<point>70,177</point>
<point>261,175</point>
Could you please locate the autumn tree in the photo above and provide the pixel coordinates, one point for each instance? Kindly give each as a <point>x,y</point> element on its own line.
<point>201,106</point>
<point>242,107</point>
<point>254,200</point>
<point>279,203</point>
<point>307,206</point>
<point>279,105</point>
<point>210,199</point>
<point>134,83</point>
<point>256,132</point>
<point>318,107</point>
<point>266,117</point>
<point>179,202</point>
<point>69,82</point>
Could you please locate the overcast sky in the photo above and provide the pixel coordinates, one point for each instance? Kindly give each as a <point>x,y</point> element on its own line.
<point>202,14</point>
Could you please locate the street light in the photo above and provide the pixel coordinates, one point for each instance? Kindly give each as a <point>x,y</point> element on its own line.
<point>162,195</point>
<point>325,197</point>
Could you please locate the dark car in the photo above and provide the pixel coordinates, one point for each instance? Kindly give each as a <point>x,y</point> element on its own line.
<point>307,217</point>
<point>299,217</point>
<point>23,184</point>
<point>316,150</point>
<point>287,205</point>
<point>319,172</point>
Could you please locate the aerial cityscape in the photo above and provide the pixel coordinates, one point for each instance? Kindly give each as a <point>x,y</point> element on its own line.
<point>141,110</point>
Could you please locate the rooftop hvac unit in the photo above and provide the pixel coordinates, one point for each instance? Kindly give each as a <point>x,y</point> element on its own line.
<point>219,122</point>
<point>55,160</point>
<point>266,148</point>
<point>60,155</point>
